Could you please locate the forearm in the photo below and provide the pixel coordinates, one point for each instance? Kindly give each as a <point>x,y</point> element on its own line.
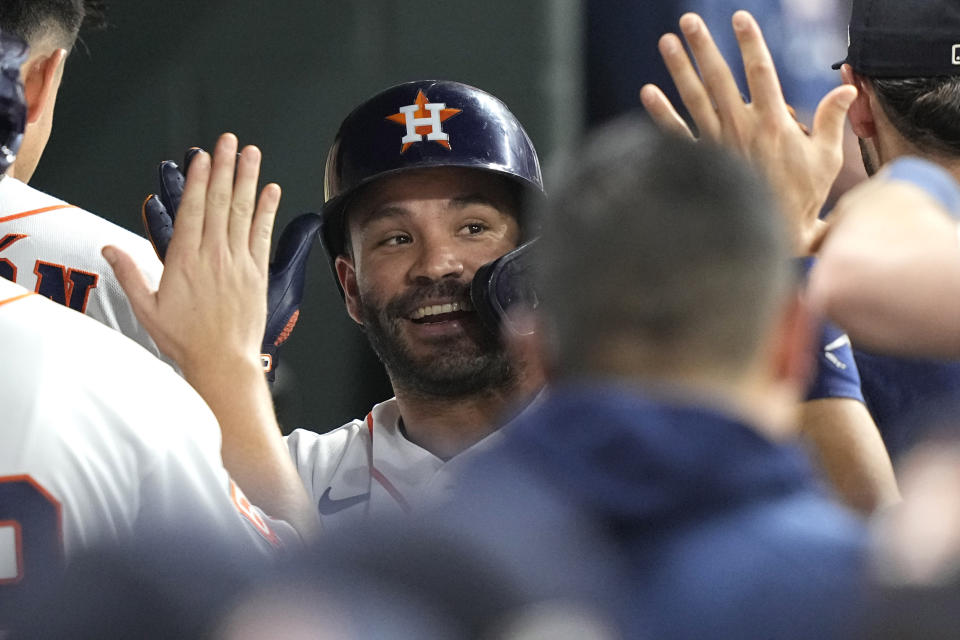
<point>890,275</point>
<point>845,443</point>
<point>253,450</point>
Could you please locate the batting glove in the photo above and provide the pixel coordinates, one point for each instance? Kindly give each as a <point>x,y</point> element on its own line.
<point>287,271</point>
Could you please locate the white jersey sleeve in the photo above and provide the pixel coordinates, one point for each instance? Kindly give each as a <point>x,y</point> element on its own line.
<point>53,248</point>
<point>102,441</point>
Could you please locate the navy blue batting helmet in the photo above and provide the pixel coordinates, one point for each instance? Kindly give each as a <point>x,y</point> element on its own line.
<point>417,125</point>
<point>13,105</point>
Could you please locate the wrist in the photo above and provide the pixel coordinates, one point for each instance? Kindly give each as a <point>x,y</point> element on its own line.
<point>221,369</point>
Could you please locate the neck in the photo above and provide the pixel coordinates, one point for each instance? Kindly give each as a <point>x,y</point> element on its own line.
<point>892,145</point>
<point>447,426</point>
<point>768,408</point>
<point>770,411</point>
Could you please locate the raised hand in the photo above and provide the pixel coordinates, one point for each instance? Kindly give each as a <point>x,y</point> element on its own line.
<point>801,166</point>
<point>287,272</point>
<point>211,302</point>
<point>209,312</point>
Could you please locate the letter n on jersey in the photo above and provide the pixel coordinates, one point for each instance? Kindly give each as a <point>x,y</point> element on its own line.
<point>69,287</point>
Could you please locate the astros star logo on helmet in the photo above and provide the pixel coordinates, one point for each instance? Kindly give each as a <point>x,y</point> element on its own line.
<point>423,118</point>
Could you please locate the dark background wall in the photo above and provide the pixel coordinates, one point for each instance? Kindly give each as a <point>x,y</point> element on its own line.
<point>282,74</point>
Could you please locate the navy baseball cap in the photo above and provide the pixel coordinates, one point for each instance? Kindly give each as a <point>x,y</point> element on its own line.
<point>904,38</point>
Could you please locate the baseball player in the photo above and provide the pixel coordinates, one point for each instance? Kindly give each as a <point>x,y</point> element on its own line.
<point>47,245</point>
<point>88,455</point>
<point>424,184</point>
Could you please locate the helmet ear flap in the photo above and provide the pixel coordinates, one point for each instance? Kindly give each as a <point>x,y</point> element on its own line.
<point>418,125</point>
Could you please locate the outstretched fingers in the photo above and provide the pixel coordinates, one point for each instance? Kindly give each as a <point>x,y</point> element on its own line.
<point>692,91</point>
<point>831,116</point>
<point>219,196</point>
<point>717,76</point>
<point>261,229</point>
<point>244,198</point>
<point>190,215</point>
<point>662,112</point>
<point>762,80</point>
<point>141,296</point>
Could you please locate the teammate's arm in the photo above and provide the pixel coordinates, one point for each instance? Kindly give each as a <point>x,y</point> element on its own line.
<point>209,314</point>
<point>889,270</point>
<point>846,445</point>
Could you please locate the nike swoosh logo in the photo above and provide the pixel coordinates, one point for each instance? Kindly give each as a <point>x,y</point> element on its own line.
<point>328,506</point>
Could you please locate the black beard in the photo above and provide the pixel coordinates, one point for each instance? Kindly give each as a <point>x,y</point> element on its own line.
<point>456,368</point>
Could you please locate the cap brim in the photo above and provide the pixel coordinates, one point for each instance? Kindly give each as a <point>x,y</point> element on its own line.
<point>836,65</point>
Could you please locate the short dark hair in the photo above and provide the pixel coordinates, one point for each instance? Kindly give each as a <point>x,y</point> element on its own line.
<point>924,110</point>
<point>31,20</point>
<point>675,249</point>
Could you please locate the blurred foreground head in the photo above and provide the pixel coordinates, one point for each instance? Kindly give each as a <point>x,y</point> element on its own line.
<point>660,259</point>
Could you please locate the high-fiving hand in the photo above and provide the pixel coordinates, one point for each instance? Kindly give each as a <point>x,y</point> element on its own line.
<point>800,166</point>
<point>212,299</point>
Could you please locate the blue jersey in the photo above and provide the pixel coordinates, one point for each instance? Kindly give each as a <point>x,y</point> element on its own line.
<point>908,398</point>
<point>679,521</point>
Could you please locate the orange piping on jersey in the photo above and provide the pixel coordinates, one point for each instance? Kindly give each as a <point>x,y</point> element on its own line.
<point>15,298</point>
<point>7,241</point>
<point>382,479</point>
<point>245,508</point>
<point>36,211</point>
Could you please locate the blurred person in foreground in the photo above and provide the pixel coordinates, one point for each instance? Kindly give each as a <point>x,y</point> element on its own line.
<point>660,478</point>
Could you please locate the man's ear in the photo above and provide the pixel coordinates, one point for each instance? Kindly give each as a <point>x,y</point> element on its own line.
<point>41,79</point>
<point>861,111</point>
<point>793,353</point>
<point>347,275</point>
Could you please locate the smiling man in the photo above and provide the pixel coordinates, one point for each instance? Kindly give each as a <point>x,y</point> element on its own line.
<point>424,185</point>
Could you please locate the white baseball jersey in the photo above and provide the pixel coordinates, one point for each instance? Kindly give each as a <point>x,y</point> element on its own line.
<point>53,248</point>
<point>368,467</point>
<point>100,441</point>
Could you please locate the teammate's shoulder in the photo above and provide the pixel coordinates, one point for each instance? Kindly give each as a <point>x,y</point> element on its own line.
<point>11,291</point>
<point>57,327</point>
<point>22,204</point>
<point>83,355</point>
